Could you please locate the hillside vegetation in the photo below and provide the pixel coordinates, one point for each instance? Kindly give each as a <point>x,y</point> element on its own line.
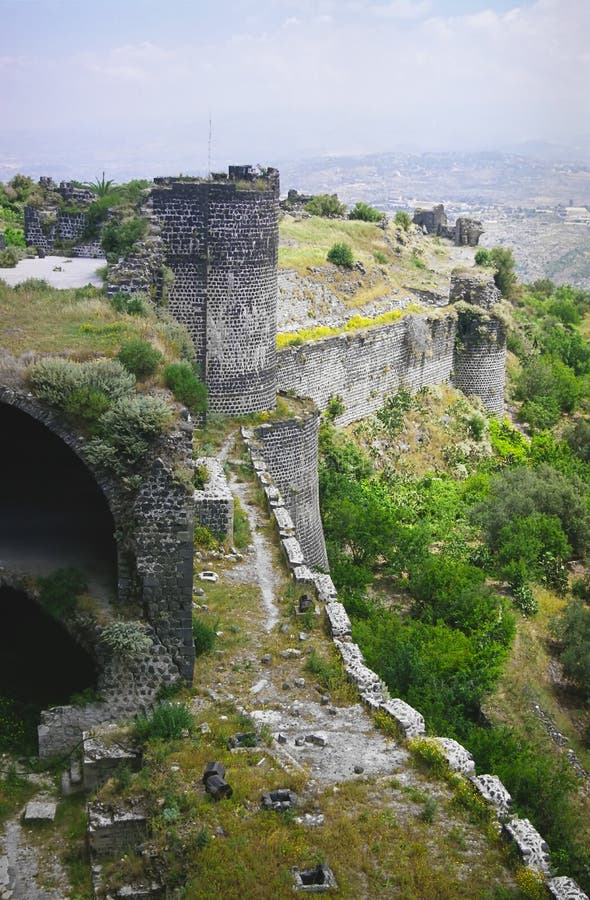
<point>460,546</point>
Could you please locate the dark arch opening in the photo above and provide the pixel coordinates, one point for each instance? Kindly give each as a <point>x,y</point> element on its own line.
<point>53,514</point>
<point>41,665</point>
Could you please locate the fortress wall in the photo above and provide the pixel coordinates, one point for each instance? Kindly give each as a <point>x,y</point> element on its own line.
<point>290,452</point>
<point>480,359</point>
<point>221,242</point>
<point>365,367</point>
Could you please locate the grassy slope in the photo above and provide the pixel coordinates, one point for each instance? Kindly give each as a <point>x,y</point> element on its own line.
<point>408,263</point>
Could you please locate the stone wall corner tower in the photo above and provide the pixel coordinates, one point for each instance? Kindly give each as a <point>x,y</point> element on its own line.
<point>221,240</point>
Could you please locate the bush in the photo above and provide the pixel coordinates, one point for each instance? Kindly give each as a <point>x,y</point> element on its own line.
<point>60,591</point>
<point>167,722</point>
<point>524,599</point>
<point>132,304</point>
<point>326,205</point>
<point>118,237</point>
<point>9,258</point>
<point>139,357</point>
<point>574,631</point>
<point>341,255</point>
<point>365,213</point>
<point>204,637</point>
<point>14,237</point>
<point>185,386</point>
<point>127,640</point>
<point>57,380</point>
<point>403,220</point>
<point>126,431</point>
<point>335,407</point>
<point>483,257</point>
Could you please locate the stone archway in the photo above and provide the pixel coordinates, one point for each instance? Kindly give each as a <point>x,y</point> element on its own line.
<point>134,548</point>
<point>53,512</point>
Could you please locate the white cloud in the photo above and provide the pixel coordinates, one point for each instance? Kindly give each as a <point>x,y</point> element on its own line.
<point>361,81</point>
<point>402,9</point>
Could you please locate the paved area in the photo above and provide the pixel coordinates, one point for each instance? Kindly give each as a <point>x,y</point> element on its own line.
<point>58,271</point>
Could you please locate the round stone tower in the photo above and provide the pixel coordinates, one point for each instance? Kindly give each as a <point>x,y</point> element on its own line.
<point>221,242</point>
<point>479,360</point>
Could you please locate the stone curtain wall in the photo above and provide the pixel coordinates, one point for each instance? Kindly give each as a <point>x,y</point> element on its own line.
<point>290,452</point>
<point>65,228</point>
<point>366,367</point>
<point>221,242</point>
<point>480,359</point>
<point>214,504</point>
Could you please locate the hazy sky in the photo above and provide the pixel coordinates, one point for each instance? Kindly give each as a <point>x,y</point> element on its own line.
<point>132,82</point>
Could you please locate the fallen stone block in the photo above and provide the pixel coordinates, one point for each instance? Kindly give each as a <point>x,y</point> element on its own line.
<point>40,811</point>
<point>372,689</point>
<point>213,768</point>
<point>531,846</point>
<point>409,720</point>
<point>218,788</point>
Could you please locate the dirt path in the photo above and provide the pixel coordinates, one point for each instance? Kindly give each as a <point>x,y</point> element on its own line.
<point>29,870</point>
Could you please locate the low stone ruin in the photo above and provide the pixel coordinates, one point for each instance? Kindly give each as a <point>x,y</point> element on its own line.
<point>314,881</point>
<point>466,232</point>
<point>493,791</point>
<point>279,800</point>
<point>113,830</point>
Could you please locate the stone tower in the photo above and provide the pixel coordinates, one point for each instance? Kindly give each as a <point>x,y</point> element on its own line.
<point>479,360</point>
<point>221,242</point>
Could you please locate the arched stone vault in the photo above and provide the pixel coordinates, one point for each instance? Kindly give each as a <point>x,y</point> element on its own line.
<point>153,536</point>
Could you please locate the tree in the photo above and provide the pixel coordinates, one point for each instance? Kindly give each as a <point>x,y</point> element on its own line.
<point>102,187</point>
<point>574,631</point>
<point>503,262</point>
<point>326,205</point>
<point>403,219</point>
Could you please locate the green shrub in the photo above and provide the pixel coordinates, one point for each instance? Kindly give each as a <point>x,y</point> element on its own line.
<point>86,404</point>
<point>167,722</point>
<point>139,357</point>
<point>132,304</point>
<point>127,640</point>
<point>126,431</point>
<point>204,637</point>
<point>403,220</point>
<point>523,598</point>
<point>185,386</point>
<point>477,427</point>
<point>14,237</point>
<point>335,407</point>
<point>9,258</point>
<point>59,591</point>
<point>57,380</point>
<point>326,205</point>
<point>483,257</point>
<point>365,213</point>
<point>118,237</point>
<point>242,534</point>
<point>341,255</point>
